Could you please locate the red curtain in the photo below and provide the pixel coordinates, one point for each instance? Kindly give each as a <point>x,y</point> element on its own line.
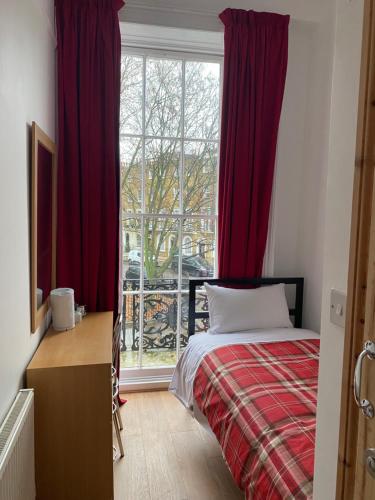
<point>255,63</point>
<point>88,70</point>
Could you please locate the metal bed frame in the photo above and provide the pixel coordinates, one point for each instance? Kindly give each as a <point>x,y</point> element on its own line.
<point>194,283</point>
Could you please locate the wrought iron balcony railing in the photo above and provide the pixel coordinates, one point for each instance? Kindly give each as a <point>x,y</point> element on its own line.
<point>160,313</point>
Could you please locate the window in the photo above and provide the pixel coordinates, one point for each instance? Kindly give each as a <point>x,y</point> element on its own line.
<point>187,246</point>
<point>169,138</point>
<point>161,243</point>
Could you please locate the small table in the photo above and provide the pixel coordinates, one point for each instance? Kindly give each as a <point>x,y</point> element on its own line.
<point>71,376</point>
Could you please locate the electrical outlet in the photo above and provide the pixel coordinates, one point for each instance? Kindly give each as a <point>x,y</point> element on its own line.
<point>338,307</point>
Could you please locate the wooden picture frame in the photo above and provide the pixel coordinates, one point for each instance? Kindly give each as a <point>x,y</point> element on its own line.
<point>40,138</point>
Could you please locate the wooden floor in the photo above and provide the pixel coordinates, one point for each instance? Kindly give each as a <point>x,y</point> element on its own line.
<point>168,455</point>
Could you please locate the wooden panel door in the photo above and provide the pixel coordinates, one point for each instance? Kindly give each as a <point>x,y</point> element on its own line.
<point>356,479</point>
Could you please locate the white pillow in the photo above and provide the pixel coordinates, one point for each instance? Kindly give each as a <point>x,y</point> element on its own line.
<point>233,310</point>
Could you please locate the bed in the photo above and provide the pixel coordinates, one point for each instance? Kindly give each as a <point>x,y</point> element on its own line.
<point>256,390</point>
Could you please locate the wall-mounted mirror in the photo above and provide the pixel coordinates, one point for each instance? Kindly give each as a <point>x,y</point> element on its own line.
<point>43,224</point>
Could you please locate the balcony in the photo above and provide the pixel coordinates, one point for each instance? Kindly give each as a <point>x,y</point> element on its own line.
<point>161,332</point>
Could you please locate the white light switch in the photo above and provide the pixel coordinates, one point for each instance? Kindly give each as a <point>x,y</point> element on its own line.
<point>339,310</point>
<point>338,307</point>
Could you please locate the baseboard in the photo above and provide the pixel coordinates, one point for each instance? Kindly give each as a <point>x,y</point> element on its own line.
<point>145,384</point>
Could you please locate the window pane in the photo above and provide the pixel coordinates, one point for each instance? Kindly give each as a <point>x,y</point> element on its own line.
<point>131,174</point>
<point>131,95</point>
<point>159,331</point>
<point>130,332</point>
<point>200,175</point>
<point>198,249</point>
<point>162,159</point>
<point>202,89</point>
<point>131,240</point>
<point>163,97</point>
<point>201,305</point>
<point>184,321</point>
<point>201,325</point>
<point>161,254</point>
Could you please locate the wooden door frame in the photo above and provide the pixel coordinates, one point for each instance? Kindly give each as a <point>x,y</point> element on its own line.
<point>358,260</point>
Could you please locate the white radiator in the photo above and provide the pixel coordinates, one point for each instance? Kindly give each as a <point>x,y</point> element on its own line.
<point>17,471</point>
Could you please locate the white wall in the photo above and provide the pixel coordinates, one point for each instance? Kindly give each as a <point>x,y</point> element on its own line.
<point>337,235</point>
<point>27,93</point>
<point>299,190</point>
<point>299,206</point>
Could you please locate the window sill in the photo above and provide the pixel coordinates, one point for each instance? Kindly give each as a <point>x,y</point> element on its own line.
<point>145,379</point>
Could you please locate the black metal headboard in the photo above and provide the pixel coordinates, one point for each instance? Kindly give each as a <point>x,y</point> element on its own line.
<point>296,311</point>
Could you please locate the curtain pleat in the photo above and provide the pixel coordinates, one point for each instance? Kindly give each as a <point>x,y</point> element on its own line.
<point>88,70</point>
<point>255,64</point>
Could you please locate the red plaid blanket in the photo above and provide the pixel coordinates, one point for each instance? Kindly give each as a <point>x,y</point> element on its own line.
<point>260,401</point>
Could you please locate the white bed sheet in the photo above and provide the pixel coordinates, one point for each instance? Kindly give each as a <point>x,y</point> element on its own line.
<point>201,344</point>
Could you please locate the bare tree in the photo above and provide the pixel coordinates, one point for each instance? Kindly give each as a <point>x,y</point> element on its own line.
<point>166,101</point>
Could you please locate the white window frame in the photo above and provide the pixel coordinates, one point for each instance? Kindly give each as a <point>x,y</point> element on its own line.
<point>136,43</point>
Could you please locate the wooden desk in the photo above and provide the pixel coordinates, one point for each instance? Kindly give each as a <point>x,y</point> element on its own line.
<point>71,375</point>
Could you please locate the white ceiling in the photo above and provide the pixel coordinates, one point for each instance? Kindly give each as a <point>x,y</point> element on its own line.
<point>202,14</point>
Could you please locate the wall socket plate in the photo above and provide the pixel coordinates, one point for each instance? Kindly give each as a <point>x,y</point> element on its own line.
<point>338,307</point>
